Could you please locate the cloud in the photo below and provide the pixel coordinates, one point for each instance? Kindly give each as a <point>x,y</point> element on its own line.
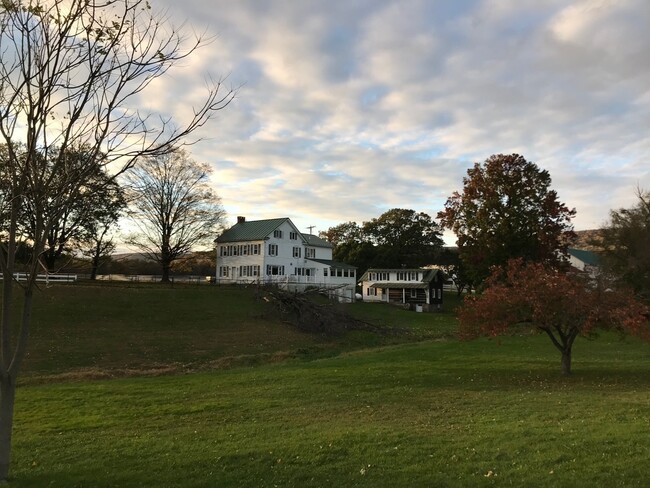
<point>347,109</point>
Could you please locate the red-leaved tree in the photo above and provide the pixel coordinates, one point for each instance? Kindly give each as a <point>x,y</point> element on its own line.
<point>507,210</point>
<point>564,305</point>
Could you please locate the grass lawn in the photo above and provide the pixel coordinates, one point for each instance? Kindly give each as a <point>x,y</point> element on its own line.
<point>103,330</point>
<point>426,414</point>
<point>377,412</point>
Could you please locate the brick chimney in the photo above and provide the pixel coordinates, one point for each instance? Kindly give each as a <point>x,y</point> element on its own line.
<point>241,219</point>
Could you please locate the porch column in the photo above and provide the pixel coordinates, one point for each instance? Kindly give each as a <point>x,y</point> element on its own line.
<point>403,295</point>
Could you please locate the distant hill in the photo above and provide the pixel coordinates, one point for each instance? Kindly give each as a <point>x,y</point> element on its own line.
<point>588,240</point>
<point>131,256</point>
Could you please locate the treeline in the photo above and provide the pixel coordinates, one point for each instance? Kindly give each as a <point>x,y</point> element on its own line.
<point>166,198</point>
<point>194,264</point>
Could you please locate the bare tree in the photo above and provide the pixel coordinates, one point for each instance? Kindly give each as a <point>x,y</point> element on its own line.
<point>71,76</point>
<point>173,207</point>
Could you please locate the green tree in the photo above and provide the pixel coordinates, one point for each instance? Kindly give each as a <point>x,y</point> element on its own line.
<point>626,245</point>
<point>99,237</point>
<point>563,305</point>
<point>96,203</point>
<point>403,238</point>
<point>350,245</point>
<point>507,210</point>
<point>397,238</point>
<point>342,233</point>
<point>71,72</point>
<point>173,207</point>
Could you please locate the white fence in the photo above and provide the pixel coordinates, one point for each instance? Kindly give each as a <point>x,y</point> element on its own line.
<point>47,277</point>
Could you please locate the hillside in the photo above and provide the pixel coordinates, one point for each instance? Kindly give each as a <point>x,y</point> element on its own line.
<point>104,330</point>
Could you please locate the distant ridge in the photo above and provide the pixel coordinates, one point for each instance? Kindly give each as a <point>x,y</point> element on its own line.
<point>588,240</point>
<point>130,256</point>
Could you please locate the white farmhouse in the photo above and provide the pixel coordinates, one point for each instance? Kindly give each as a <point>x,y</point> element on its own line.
<point>274,251</point>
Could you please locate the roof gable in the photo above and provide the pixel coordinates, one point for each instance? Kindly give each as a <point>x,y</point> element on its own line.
<point>254,230</point>
<point>588,257</point>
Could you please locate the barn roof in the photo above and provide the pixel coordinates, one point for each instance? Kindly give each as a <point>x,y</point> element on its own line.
<point>588,257</point>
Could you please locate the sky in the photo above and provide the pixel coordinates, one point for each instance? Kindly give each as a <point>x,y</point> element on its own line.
<point>348,108</point>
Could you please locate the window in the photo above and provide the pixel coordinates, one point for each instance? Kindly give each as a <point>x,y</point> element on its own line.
<point>250,270</point>
<point>371,292</point>
<point>310,253</point>
<point>414,293</point>
<point>223,271</point>
<point>407,276</point>
<point>293,236</point>
<point>273,249</point>
<point>325,271</point>
<point>277,233</point>
<point>297,252</point>
<point>256,248</point>
<point>274,270</point>
<point>304,271</point>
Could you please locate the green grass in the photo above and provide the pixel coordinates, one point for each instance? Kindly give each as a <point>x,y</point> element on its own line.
<point>376,412</point>
<point>103,330</point>
<point>427,414</point>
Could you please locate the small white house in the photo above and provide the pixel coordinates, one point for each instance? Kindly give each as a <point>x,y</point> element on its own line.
<point>420,287</point>
<point>275,251</point>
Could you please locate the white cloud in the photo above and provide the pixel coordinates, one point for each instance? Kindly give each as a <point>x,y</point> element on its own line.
<point>351,108</point>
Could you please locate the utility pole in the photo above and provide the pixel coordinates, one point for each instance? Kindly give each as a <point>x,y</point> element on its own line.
<point>311,228</point>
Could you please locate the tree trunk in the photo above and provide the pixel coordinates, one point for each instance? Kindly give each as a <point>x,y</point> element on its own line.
<point>49,257</point>
<point>566,362</point>
<point>165,274</point>
<point>94,266</point>
<point>7,397</point>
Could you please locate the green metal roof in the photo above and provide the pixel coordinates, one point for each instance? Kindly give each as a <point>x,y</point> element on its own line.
<point>588,257</point>
<point>255,230</point>
<point>333,264</point>
<point>316,241</point>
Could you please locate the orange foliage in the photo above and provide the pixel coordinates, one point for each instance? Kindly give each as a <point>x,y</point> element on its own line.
<point>562,304</point>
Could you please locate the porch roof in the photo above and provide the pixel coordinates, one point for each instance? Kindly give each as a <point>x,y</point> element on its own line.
<point>332,264</point>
